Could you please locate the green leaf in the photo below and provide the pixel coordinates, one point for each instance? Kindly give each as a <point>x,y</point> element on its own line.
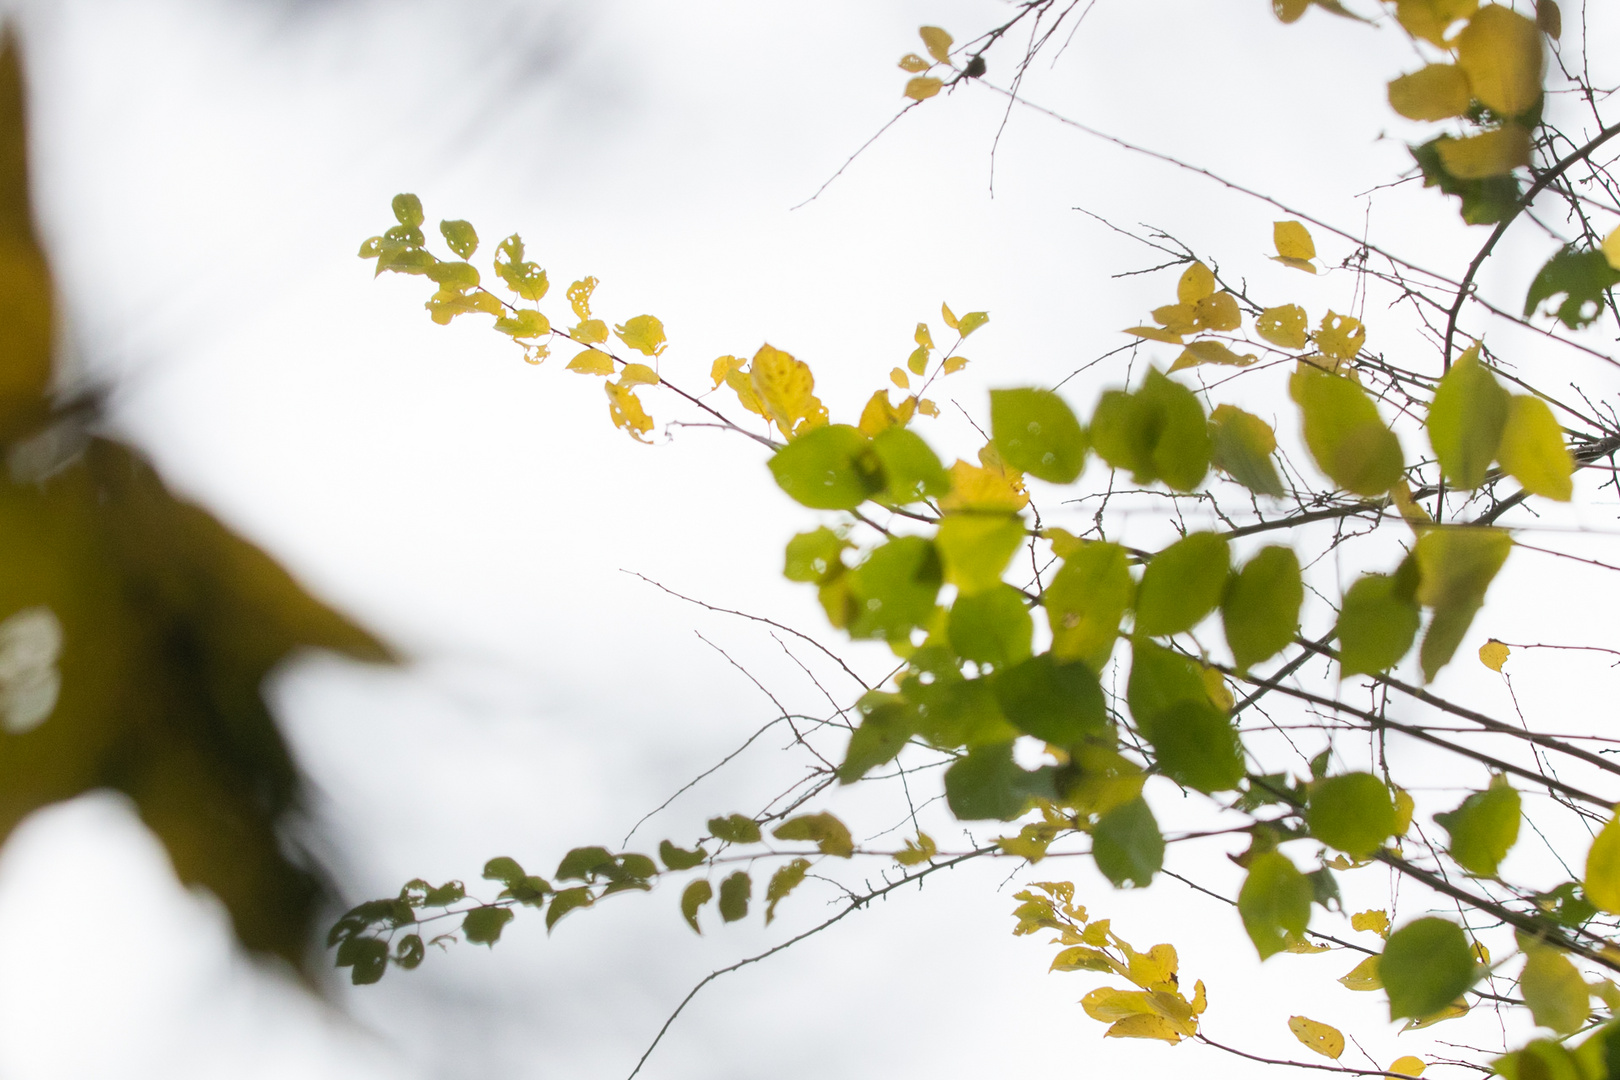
<point>823,829</point>
<point>565,901</point>
<point>367,959</point>
<point>679,858</point>
<point>947,709</point>
<point>1345,434</point>
<point>409,952</point>
<point>987,784</point>
<point>992,627</point>
<point>1466,420</point>
<point>1484,827</point>
<point>524,324</point>
<point>408,210</point>
<point>1127,845</point>
<point>583,863</point>
<point>894,588</point>
<point>784,881</point>
<point>1555,991</point>
<point>1182,584</point>
<point>1485,201</point>
<point>1086,600</point>
<point>450,892</point>
<point>1425,966</point>
<point>1377,624</point>
<point>1260,610</point>
<point>829,468</point>
<point>1455,566</point>
<point>1533,450</point>
<point>457,276</point>
<point>1602,883</point>
<point>734,893</point>
<point>1241,445</point>
<point>971,322</point>
<point>886,725</point>
<point>975,548</point>
<point>815,556</point>
<point>504,870</point>
<point>693,897</point>
<point>1567,904</point>
<point>1354,813</point>
<point>1157,433</point>
<point>1582,278</point>
<point>1035,432</point>
<point>483,926</point>
<point>1194,742</point>
<point>1055,702</point>
<point>910,467</point>
<point>461,237</point>
<point>1274,903</point>
<point>735,829</point>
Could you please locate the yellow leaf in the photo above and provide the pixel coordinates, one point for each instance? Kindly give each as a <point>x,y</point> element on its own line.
<point>1450,1012</point>
<point>1217,690</point>
<point>1430,19</point>
<point>878,416</point>
<point>592,362</point>
<point>1154,969</point>
<point>722,367</point>
<point>590,332</point>
<point>937,42</point>
<point>1144,1027</point>
<point>1376,920</point>
<point>975,488</point>
<point>899,378</point>
<point>972,321</point>
<point>579,296</point>
<point>1549,20</point>
<point>1064,542</point>
<point>1284,326</point>
<point>1408,1066</point>
<point>1177,318</point>
<point>1611,248</point>
<point>1303,947</point>
<point>1501,52</point>
<point>926,407</point>
<point>913,63</point>
<point>1533,451</point>
<point>1493,654</point>
<point>923,338</point>
<point>1602,881</point>
<point>948,315</point>
<point>1340,336</point>
<point>626,412</point>
<point>1156,333</point>
<point>1404,806</point>
<point>638,375</point>
<point>1364,976</point>
<point>1490,153</point>
<point>918,360</point>
<point>1295,264</point>
<point>1210,352</point>
<point>1436,92</point>
<point>922,87</point>
<point>1413,514</point>
<point>919,852</point>
<point>1218,312</point>
<point>1482,954</point>
<point>1289,10</point>
<point>1324,1039</point>
<point>1197,282</point>
<point>742,384</point>
<point>953,364</point>
<point>1293,240</point>
<point>785,387</point>
<point>644,333</point>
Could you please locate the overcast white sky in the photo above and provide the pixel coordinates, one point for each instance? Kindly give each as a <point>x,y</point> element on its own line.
<point>206,170</point>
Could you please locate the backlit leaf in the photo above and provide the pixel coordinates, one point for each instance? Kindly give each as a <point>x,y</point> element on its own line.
<point>1425,966</point>
<point>1501,51</point>
<point>1241,445</point>
<point>937,42</point>
<point>1086,600</point>
<point>1340,336</point>
<point>884,730</point>
<point>461,237</point>
<point>785,386</point>
<point>1210,352</point>
<point>913,63</point>
<point>987,784</point>
<point>1364,976</point>
<point>991,627</point>
<point>1436,92</point>
<point>1274,903</point>
<point>1353,813</point>
<point>1483,828</point>
<point>824,830</point>
<point>911,470</point>
<point>975,548</point>
<point>984,489</point>
<point>922,87</point>
<point>1182,584</point>
<point>626,412</point>
<point>1490,153</point>
<point>972,321</point>
<point>1194,742</point>
<point>1127,845</point>
<point>1430,19</point>
<point>644,333</point>
<point>1197,282</point>
<point>1533,451</point>
<point>1037,433</point>
<point>784,881</point>
<point>1376,921</point>
<point>1456,566</point>
<point>1602,879</point>
<point>1581,277</point>
<point>1293,240</point>
<point>1466,420</point>
<point>815,556</point>
<point>1345,434</point>
<point>1493,654</point>
<point>1260,609</point>
<point>1057,703</point>
<point>1157,433</point>
<point>894,588</point>
<point>1408,1066</point>
<point>592,362</point>
<point>1555,991</point>
<point>1377,625</point>
<point>1285,326</point>
<point>1322,1038</point>
<point>830,468</point>
<point>1484,201</point>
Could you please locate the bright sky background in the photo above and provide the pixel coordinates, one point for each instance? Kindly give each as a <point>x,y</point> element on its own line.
<point>206,170</point>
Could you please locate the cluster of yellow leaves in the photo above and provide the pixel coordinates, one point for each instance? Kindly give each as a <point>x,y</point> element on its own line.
<point>773,385</point>
<point>1156,1009</point>
<point>880,413</point>
<point>644,333</point>
<point>921,87</point>
<point>1495,60</point>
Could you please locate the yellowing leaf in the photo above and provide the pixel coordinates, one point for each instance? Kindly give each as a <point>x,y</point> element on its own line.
<point>1430,19</point>
<point>926,407</point>
<point>1408,1066</point>
<point>1144,1027</point>
<point>1376,920</point>
<point>1156,333</point>
<point>923,338</point>
<point>1602,882</point>
<point>1436,92</point>
<point>918,360</point>
<point>1218,312</point>
<point>1178,318</point>
<point>1404,807</point>
<point>1364,976</point>
<point>972,321</point>
<point>784,385</point>
<point>937,42</point>
<point>1303,947</point>
<point>1501,51</point>
<point>1555,991</point>
<point>1293,240</point>
<point>592,362</point>
<point>1340,336</point>
<point>625,410</point>
<point>579,296</point>
<point>1197,282</point>
<point>922,87</point>
<point>974,488</point>
<point>1284,326</point>
<point>899,378</point>
<point>1210,352</point>
<point>1611,248</point>
<point>590,332</point>
<point>1533,451</point>
<point>1493,654</point>
<point>644,333</point>
<point>1324,1039</point>
<point>724,366</point>
<point>1450,1012</point>
<point>913,63</point>
<point>948,315</point>
<point>638,375</point>
<point>879,415</point>
<point>953,364</point>
<point>917,852</point>
<point>1491,153</point>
